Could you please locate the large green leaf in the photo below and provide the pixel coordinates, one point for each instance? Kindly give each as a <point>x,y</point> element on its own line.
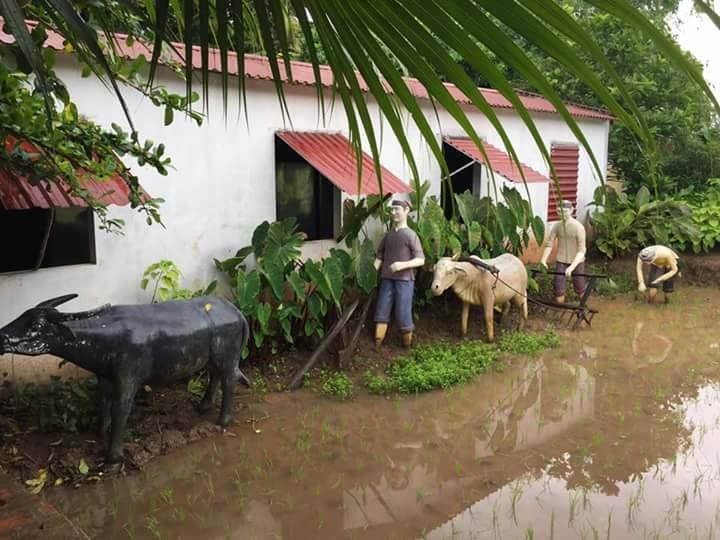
<point>367,276</point>
<point>247,290</point>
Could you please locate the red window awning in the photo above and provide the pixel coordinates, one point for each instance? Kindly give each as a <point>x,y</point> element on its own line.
<point>17,193</point>
<point>500,162</point>
<point>332,155</point>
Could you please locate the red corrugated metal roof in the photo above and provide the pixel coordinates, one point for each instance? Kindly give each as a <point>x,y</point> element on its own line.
<point>500,162</point>
<point>17,193</point>
<point>565,158</point>
<point>334,157</point>
<point>258,67</point>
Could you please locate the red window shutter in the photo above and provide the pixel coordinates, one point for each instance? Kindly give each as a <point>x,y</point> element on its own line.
<point>565,158</point>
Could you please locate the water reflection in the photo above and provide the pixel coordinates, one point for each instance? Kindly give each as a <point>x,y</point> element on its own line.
<point>675,498</point>
<point>616,430</point>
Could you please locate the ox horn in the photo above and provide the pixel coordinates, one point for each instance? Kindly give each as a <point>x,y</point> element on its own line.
<point>456,256</point>
<point>55,302</point>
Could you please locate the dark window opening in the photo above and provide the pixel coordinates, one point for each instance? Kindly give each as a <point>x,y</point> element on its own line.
<point>461,181</point>
<point>302,192</point>
<point>42,238</point>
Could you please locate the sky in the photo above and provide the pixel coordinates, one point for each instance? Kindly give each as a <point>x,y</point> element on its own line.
<point>697,34</point>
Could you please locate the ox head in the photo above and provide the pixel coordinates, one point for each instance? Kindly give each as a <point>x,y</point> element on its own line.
<point>445,272</point>
<point>40,330</point>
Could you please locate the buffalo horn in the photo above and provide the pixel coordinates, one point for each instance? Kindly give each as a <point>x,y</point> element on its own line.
<point>55,302</point>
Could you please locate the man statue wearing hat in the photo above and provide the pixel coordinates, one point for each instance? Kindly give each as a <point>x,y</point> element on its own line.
<point>663,267</point>
<point>400,252</point>
<point>570,258</point>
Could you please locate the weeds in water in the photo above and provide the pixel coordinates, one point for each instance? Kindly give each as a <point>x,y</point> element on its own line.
<point>153,526</point>
<point>552,525</point>
<point>179,514</point>
<point>167,495</point>
<point>528,344</point>
<point>530,534</point>
<point>515,494</point>
<point>573,507</point>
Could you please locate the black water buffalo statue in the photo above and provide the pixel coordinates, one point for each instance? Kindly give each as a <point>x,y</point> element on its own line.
<point>130,346</point>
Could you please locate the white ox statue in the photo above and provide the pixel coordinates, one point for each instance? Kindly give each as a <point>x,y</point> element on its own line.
<point>478,286</point>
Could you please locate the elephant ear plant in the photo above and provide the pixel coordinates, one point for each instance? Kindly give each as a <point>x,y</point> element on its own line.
<point>286,300</point>
<point>625,223</point>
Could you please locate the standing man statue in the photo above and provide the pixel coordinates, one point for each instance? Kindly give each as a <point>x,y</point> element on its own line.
<point>570,257</point>
<point>400,252</point>
<point>663,267</point>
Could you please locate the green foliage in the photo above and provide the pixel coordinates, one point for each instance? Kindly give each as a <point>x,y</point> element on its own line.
<point>434,366</point>
<point>336,385</point>
<point>627,223</point>
<point>48,140</point>
<point>63,406</point>
<point>441,365</point>
<point>680,117</point>
<point>528,344</point>
<point>196,385</point>
<point>166,276</point>
<point>284,298</point>
<point>482,227</point>
<point>705,207</point>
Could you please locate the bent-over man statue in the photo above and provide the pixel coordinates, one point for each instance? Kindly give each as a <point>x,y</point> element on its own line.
<point>663,268</point>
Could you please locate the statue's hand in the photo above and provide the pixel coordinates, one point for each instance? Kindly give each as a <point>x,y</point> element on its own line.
<point>543,265</point>
<point>396,267</point>
<point>642,287</point>
<point>568,271</point>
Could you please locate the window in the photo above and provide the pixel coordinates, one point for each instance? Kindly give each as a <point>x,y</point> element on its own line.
<point>565,159</point>
<point>41,238</point>
<point>468,179</point>
<point>302,192</point>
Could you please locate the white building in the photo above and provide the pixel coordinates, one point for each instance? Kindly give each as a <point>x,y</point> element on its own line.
<point>227,178</point>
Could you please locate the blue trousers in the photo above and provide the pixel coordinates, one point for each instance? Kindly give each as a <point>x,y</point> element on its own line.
<point>396,293</point>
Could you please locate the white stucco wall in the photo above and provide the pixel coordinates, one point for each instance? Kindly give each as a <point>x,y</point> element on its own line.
<point>222,184</point>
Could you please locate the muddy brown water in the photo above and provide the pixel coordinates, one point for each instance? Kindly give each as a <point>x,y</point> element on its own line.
<point>616,434</point>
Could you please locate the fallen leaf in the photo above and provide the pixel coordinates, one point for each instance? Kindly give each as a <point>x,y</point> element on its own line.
<point>57,443</point>
<point>58,481</point>
<point>83,467</point>
<point>147,388</point>
<point>37,484</point>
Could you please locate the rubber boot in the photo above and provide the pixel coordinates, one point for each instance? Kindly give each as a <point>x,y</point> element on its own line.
<point>407,339</point>
<point>380,331</point>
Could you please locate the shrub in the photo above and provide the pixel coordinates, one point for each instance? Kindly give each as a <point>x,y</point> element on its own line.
<point>706,215</point>
<point>628,223</point>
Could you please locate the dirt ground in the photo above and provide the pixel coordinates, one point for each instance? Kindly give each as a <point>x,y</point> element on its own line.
<point>165,419</point>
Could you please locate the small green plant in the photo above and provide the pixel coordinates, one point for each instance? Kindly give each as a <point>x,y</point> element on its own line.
<point>528,344</point>
<point>196,386</point>
<point>337,385</point>
<point>166,277</point>
<point>259,385</point>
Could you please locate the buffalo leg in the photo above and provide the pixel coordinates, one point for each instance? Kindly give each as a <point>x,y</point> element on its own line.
<point>489,308</point>
<point>206,403</point>
<point>105,397</point>
<point>123,399</point>
<point>464,319</point>
<point>228,386</point>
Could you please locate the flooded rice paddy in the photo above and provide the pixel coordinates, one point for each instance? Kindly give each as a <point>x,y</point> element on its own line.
<point>614,435</point>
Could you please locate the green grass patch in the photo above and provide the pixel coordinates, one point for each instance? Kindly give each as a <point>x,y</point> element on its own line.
<point>442,365</point>
<point>528,344</point>
<point>334,384</point>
